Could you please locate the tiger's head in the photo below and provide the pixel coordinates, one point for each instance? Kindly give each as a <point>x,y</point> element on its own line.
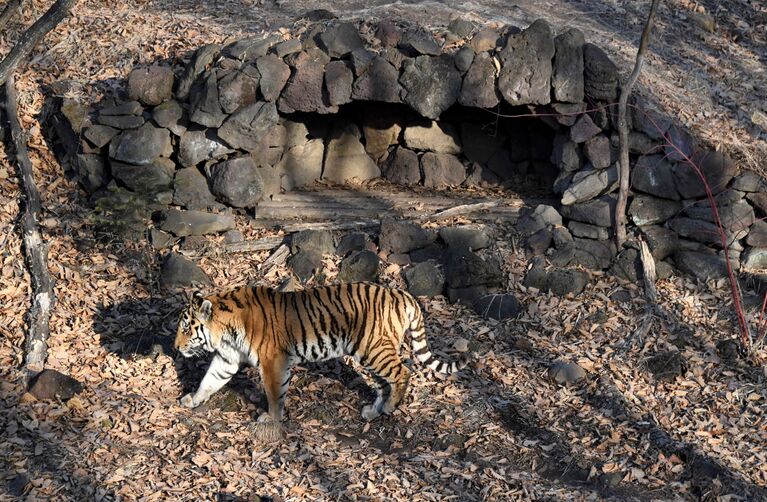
<point>194,333</point>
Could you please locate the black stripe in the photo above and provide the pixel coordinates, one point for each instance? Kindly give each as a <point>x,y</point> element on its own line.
<point>423,351</point>
<point>223,307</point>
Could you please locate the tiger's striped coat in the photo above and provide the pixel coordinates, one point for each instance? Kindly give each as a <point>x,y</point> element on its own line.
<point>273,331</point>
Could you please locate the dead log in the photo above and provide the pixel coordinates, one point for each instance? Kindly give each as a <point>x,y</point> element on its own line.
<point>35,248</point>
<point>623,130</point>
<point>10,8</point>
<point>32,36</point>
<point>462,210</point>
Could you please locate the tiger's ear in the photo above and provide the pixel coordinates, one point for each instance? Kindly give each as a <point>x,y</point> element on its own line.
<point>205,310</point>
<point>196,298</point>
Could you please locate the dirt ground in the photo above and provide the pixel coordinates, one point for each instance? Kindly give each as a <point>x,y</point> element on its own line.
<point>501,430</point>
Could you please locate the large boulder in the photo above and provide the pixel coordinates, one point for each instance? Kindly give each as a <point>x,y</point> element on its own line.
<point>648,210</point>
<point>600,74</point>
<point>465,238</point>
<point>147,179</point>
<point>441,170</point>
<point>274,75</point>
<point>305,91</point>
<point>479,88</point>
<point>205,107</point>
<point>246,128</point>
<point>338,82</point>
<point>464,268</point>
<point>662,241</point>
<point>302,164</point>
<point>238,89</point>
<point>599,211</point>
<point>567,77</point>
<point>346,159</point>
<point>360,266</point>
<point>702,265</point>
<point>402,167</point>
<point>140,146</point>
<point>319,241</point>
<point>198,145</point>
<point>52,384</point>
<point>202,58</point>
<point>543,216</point>
<point>403,236</point>
<point>151,85</point>
<point>424,279</point>
<point>716,167</point>
<point>178,272</point>
<point>184,223</point>
<point>439,137</point>
<point>586,185</point>
<point>340,40</point>
<point>525,76</point>
<point>378,82</point>
<point>190,189</point>
<point>654,175</point>
<point>237,182</point>
<point>431,84</point>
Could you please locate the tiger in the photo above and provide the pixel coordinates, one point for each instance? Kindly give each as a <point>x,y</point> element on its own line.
<point>274,330</point>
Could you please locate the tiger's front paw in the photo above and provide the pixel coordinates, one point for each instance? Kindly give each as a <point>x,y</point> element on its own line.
<point>370,412</point>
<point>188,401</point>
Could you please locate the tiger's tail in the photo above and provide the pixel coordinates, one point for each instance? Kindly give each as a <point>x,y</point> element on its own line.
<point>421,347</point>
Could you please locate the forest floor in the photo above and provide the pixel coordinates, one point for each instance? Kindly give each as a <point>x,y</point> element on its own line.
<point>500,430</point>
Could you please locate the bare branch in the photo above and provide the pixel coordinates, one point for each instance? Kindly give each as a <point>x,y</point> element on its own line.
<point>623,130</point>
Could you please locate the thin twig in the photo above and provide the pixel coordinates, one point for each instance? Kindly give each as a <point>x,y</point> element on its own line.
<point>623,131</point>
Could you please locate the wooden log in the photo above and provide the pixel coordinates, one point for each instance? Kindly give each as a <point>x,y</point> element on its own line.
<point>35,248</point>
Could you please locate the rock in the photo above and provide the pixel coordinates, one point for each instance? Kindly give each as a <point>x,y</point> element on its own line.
<point>565,373</point>
<point>478,144</point>
<point>482,176</point>
<point>148,179</point>
<point>305,91</point>
<point>270,148</point>
<point>251,48</point>
<point>198,145</point>
<point>703,20</point>
<point>757,235</point>
<point>442,170</point>
<point>639,143</point>
<point>464,268</point>
<point>424,279</point>
<point>560,236</point>
<point>746,181</point>
<point>498,307</point>
<point>484,40</point>
<point>663,270</point>
<point>51,384</point>
<point>591,254</point>
<point>579,229</point>
<point>205,107</point>
<point>717,167</point>
<point>666,366</point>
<point>233,236</point>
<point>402,167</point>
<point>600,74</point>
<point>479,87</point>
<point>472,239</point>
<point>159,239</point>
<point>202,58</point>
<point>91,172</point>
<point>662,241</point>
<point>563,281</point>
<point>432,252</point>
<point>568,112</point>
<point>566,154</point>
<point>171,116</point>
<point>318,241</point>
<point>598,212</point>
<point>357,241</point>
<point>736,217</point>
<point>541,217</point>
<point>648,119</point>
<point>237,182</point>
<point>179,272</point>
<point>598,151</point>
<point>338,82</point>
<point>628,266</point>
<point>291,46</point>
<point>647,210</point>
<point>525,76</point>
<point>305,264</point>
<point>436,137</point>
<point>759,200</point>
<point>584,129</point>
<point>360,59</point>
<point>274,75</point>
<point>466,296</point>
<point>100,135</point>
<point>302,164</point>
<point>419,41</point>
<point>340,40</point>
<point>75,113</point>
<point>380,132</point>
<point>461,28</point>
<point>378,82</point>
<point>345,157</point>
<point>703,266</point>
<point>697,230</point>
<point>539,242</point>
<point>654,175</point>
<point>680,145</point>
<point>151,85</point>
<point>755,258</point>
<point>590,185</point>
<point>238,89</point>
<point>140,146</point>
<point>246,128</point>
<point>567,70</point>
<point>360,266</point>
<point>402,236</point>
<point>463,58</point>
<point>183,223</point>
<point>388,33</point>
<point>431,84</point>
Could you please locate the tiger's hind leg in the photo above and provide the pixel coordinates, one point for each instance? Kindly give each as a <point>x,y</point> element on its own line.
<point>275,375</point>
<point>392,378</point>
